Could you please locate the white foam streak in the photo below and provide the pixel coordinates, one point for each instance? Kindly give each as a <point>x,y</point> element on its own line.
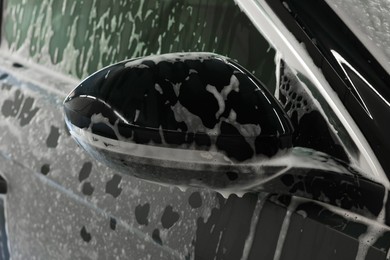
<point>252,230</point>
<point>220,99</point>
<point>284,229</point>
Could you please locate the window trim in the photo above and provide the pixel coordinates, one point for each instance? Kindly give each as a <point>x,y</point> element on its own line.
<point>267,22</point>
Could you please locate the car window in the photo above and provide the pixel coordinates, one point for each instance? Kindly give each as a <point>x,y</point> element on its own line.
<point>370,21</point>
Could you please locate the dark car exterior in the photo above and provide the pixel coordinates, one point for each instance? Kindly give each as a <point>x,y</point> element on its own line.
<point>62,204</point>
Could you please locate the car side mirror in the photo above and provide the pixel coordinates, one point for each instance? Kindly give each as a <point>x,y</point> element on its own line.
<point>200,119</point>
<point>195,119</point>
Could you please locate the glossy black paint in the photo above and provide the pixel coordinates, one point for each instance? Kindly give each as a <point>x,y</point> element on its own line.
<point>314,230</point>
<point>146,100</point>
<point>353,193</point>
<point>193,101</point>
<point>348,191</point>
<point>3,186</point>
<point>311,127</point>
<point>4,250</point>
<point>324,233</point>
<point>139,98</point>
<point>358,79</point>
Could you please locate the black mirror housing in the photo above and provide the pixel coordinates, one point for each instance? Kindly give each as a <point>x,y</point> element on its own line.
<point>161,116</point>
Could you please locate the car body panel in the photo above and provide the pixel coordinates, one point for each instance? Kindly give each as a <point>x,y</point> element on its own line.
<point>62,204</point>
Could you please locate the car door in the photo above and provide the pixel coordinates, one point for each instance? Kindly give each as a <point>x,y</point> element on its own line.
<point>62,204</point>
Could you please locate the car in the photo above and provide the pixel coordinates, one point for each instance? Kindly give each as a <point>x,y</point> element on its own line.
<point>215,129</point>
